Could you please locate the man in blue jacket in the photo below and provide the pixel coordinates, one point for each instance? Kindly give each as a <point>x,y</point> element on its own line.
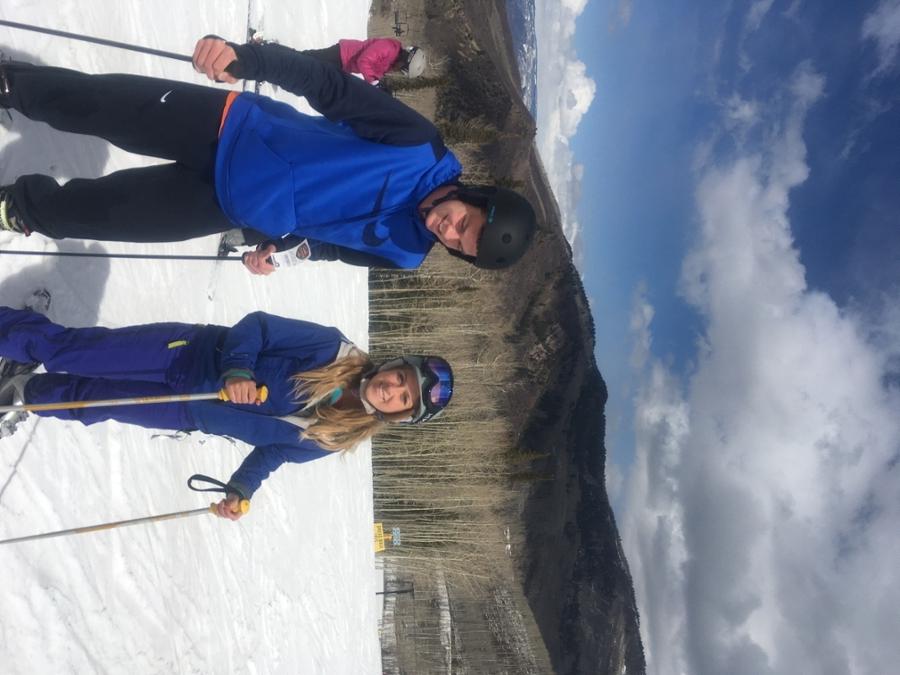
<point>370,183</point>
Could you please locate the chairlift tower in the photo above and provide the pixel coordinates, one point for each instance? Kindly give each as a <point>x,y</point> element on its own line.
<point>401,27</point>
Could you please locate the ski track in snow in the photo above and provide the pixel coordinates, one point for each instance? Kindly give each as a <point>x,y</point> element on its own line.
<point>291,587</point>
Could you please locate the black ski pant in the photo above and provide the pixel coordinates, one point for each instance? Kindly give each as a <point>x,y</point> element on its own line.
<point>331,55</point>
<point>159,118</point>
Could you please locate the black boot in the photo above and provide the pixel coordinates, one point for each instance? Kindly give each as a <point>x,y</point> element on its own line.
<point>12,392</point>
<point>4,79</point>
<point>229,242</point>
<point>10,220</point>
<point>38,301</point>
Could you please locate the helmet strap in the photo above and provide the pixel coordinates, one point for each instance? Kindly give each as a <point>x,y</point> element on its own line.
<point>368,407</point>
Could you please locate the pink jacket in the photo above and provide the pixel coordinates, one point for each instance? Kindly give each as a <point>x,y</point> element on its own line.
<point>372,58</point>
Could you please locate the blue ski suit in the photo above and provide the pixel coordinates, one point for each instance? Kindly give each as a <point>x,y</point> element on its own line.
<point>168,358</point>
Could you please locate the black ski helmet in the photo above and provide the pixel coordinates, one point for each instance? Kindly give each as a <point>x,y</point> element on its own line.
<point>510,225</point>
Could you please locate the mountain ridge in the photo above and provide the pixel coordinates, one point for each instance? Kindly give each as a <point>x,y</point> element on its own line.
<point>576,576</point>
<point>569,564</point>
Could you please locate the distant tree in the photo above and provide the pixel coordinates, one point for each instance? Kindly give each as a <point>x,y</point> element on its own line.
<point>397,83</point>
<point>468,131</point>
<point>509,182</point>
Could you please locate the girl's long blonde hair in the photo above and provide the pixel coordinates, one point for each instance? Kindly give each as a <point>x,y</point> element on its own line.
<point>337,428</point>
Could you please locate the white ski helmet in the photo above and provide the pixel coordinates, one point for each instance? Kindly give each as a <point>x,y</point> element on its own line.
<point>417,62</point>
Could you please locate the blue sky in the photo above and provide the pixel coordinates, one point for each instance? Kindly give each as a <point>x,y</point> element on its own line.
<point>729,174</point>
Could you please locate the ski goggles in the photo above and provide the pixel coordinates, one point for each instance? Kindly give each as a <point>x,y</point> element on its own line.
<point>435,380</point>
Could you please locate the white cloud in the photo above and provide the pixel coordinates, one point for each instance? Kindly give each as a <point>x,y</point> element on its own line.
<point>625,10</point>
<point>883,26</point>
<point>575,97</point>
<point>565,93</point>
<point>639,327</point>
<point>740,112</point>
<point>574,6</point>
<point>622,15</point>
<point>652,526</point>
<point>762,510</point>
<point>752,21</point>
<point>615,479</point>
<point>793,11</point>
<point>757,13</point>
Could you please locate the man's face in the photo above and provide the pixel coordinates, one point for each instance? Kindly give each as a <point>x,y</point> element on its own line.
<point>457,225</point>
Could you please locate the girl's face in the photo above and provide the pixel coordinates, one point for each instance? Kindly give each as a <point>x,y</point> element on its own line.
<point>393,391</point>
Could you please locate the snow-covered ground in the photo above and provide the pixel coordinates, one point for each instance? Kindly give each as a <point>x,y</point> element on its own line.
<point>291,587</point>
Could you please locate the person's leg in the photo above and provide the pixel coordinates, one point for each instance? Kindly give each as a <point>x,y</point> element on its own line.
<point>330,55</point>
<point>148,116</point>
<point>162,118</point>
<point>168,202</point>
<point>254,237</point>
<point>142,353</point>
<point>53,388</point>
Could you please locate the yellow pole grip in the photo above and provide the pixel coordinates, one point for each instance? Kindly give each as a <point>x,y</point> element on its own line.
<point>244,507</point>
<point>262,393</point>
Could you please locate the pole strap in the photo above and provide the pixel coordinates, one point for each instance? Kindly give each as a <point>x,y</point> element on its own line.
<point>199,477</point>
<point>243,505</point>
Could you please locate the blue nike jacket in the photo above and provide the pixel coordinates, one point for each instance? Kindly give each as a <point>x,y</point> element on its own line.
<point>352,179</point>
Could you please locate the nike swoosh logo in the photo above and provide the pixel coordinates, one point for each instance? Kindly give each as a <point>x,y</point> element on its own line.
<point>162,99</point>
<point>369,236</point>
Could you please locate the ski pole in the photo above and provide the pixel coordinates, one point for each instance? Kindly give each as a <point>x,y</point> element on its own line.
<point>97,41</point>
<point>122,523</point>
<point>262,394</point>
<point>139,256</point>
<point>243,507</point>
